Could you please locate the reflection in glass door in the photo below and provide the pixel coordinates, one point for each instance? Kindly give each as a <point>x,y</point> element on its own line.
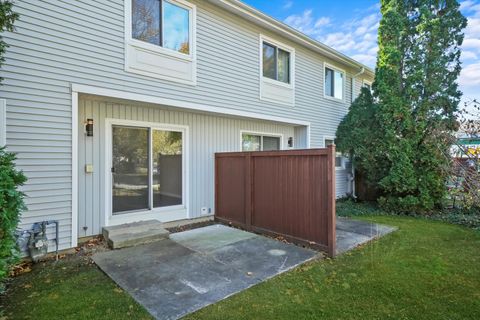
<point>130,169</point>
<point>167,168</point>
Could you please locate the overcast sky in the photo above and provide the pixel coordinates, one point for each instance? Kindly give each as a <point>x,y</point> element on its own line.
<point>350,27</point>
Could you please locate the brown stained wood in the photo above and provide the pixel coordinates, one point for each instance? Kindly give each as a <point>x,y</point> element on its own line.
<point>281,193</point>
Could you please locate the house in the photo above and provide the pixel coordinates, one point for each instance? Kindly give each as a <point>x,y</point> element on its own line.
<point>116,107</point>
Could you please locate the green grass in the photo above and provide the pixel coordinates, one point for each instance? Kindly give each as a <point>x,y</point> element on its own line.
<point>426,270</point>
<point>68,289</point>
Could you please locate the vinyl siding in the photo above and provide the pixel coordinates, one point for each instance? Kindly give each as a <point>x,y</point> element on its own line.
<point>58,43</point>
<point>207,134</point>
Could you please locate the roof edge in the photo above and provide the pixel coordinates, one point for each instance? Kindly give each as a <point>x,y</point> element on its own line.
<point>244,10</point>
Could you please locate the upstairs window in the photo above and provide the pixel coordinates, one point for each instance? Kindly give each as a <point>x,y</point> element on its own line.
<point>162,23</point>
<point>276,63</point>
<point>334,83</point>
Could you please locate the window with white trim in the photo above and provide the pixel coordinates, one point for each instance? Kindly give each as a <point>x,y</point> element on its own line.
<point>276,63</point>
<point>160,39</point>
<point>162,23</point>
<point>339,159</point>
<point>260,142</point>
<point>334,83</point>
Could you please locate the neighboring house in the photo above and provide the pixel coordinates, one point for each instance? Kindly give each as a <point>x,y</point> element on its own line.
<point>116,107</point>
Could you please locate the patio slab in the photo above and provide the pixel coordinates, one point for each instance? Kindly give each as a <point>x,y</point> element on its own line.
<point>174,277</point>
<point>352,233</point>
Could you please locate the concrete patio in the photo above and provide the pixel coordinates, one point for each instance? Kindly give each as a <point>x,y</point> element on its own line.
<point>174,277</point>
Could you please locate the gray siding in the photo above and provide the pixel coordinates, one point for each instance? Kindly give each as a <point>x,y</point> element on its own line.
<point>60,42</point>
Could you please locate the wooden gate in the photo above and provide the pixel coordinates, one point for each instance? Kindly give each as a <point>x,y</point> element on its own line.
<point>280,193</point>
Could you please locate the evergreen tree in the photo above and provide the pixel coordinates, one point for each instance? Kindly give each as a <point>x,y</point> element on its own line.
<point>416,96</point>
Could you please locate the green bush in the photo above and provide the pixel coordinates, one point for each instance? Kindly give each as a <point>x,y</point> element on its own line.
<point>11,205</point>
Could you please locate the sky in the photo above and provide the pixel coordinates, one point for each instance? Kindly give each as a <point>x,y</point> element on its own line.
<point>351,26</point>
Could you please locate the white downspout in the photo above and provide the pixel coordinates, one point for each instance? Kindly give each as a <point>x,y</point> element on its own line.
<point>352,180</point>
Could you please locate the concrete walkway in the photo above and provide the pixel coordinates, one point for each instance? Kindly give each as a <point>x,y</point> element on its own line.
<point>174,277</point>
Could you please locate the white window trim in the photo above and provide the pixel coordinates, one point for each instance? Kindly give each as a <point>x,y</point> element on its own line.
<point>276,83</point>
<point>284,47</point>
<point>364,82</point>
<point>3,122</point>
<point>191,57</point>
<point>335,68</point>
<point>171,213</point>
<point>262,134</point>
<point>343,166</point>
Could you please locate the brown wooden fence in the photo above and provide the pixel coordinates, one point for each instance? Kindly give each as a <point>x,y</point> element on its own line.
<point>285,193</point>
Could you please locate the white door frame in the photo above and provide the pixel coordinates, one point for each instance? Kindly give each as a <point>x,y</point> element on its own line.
<point>163,214</point>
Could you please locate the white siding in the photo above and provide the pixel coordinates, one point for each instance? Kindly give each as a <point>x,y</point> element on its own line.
<point>60,42</point>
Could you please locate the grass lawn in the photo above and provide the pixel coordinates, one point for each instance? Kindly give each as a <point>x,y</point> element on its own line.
<point>426,270</point>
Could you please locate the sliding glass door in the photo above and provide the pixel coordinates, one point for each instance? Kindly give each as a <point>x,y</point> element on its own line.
<point>147,169</point>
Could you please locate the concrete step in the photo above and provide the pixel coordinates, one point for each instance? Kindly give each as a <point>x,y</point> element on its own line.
<point>133,234</point>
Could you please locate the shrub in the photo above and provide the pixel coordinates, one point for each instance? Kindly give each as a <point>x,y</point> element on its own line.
<point>11,205</point>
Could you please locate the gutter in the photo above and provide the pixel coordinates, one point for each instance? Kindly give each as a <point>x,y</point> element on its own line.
<point>352,179</point>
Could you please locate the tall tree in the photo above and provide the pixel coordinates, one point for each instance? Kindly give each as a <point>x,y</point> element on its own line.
<point>416,96</point>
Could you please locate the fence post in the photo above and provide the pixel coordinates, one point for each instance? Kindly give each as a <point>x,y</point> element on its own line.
<point>248,191</point>
<point>331,210</point>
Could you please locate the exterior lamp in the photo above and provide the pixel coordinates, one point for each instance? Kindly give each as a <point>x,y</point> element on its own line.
<point>290,142</point>
<point>89,127</point>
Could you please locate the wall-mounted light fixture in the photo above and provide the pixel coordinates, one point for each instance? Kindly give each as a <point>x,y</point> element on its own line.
<point>89,127</point>
<point>290,142</point>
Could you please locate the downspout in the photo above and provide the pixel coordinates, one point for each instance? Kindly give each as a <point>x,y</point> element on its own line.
<point>352,179</point>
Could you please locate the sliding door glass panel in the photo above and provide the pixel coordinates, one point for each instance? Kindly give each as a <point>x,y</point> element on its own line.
<point>251,142</point>
<point>271,143</point>
<point>167,168</point>
<point>130,191</point>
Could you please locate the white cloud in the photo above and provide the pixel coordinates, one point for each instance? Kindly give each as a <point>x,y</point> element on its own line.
<point>467,55</point>
<point>465,5</point>
<point>307,23</point>
<point>323,21</point>
<point>470,76</point>
<point>287,5</point>
<point>356,37</point>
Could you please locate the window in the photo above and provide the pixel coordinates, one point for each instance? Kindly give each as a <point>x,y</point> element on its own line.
<point>334,83</point>
<point>147,168</point>
<point>276,63</point>
<point>339,157</point>
<point>162,23</point>
<point>367,85</point>
<point>260,142</point>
